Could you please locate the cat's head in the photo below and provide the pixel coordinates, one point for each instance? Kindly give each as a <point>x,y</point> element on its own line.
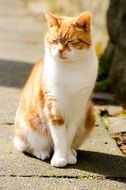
<point>67,35</point>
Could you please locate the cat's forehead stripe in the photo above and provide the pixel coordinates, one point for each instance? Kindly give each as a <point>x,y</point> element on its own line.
<point>66,31</point>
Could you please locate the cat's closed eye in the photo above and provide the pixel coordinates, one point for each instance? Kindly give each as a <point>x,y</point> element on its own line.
<point>52,41</point>
<point>75,43</point>
<point>55,41</point>
<point>70,41</point>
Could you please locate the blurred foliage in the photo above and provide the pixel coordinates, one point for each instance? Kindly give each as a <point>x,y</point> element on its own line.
<point>99,49</point>
<point>104,85</point>
<point>104,81</point>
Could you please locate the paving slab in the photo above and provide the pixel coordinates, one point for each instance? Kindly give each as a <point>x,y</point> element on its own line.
<point>27,183</point>
<point>101,141</point>
<point>8,104</point>
<point>13,75</point>
<point>21,37</point>
<point>99,156</point>
<point>91,160</point>
<point>112,109</point>
<point>116,124</point>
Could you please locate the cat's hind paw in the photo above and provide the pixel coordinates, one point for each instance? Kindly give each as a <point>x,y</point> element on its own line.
<point>20,145</point>
<point>72,157</point>
<point>72,160</point>
<point>58,162</point>
<point>43,155</point>
<point>74,152</point>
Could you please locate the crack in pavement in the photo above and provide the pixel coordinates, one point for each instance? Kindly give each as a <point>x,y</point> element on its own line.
<point>90,177</point>
<point>6,123</point>
<point>54,176</point>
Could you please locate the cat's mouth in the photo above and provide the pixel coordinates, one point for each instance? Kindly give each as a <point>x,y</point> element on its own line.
<point>59,55</point>
<point>62,56</point>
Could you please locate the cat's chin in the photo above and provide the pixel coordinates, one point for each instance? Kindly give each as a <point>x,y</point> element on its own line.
<point>60,58</point>
<point>63,58</point>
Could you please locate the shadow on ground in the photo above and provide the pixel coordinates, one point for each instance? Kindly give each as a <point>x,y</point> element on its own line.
<point>14,73</point>
<point>110,166</point>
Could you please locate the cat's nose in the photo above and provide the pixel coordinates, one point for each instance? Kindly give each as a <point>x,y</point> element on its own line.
<point>61,49</point>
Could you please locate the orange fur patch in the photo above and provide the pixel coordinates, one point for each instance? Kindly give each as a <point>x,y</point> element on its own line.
<point>90,118</point>
<point>32,103</point>
<point>53,116</point>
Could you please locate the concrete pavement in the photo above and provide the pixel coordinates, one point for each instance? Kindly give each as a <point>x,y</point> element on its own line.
<point>21,37</point>
<point>101,165</point>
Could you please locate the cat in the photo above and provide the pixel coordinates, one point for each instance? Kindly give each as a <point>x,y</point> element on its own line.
<point>55,111</point>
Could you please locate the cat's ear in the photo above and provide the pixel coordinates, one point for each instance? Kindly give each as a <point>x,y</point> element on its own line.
<point>83,21</point>
<point>53,21</point>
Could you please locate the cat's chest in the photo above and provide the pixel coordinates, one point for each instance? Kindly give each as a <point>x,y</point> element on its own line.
<point>74,82</point>
<point>71,86</point>
<point>70,81</point>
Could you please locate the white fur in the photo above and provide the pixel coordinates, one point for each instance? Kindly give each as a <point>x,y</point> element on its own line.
<point>21,146</point>
<point>40,144</point>
<point>60,146</point>
<point>70,81</point>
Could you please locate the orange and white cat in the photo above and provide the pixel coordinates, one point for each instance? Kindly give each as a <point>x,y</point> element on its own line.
<point>55,111</point>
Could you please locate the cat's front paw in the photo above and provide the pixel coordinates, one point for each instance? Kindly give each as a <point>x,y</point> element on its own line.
<point>72,157</point>
<point>59,162</point>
